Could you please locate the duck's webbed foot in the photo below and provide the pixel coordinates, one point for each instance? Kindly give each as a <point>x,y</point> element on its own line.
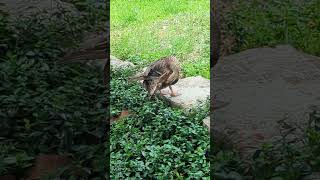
<point>163,93</point>
<point>173,94</point>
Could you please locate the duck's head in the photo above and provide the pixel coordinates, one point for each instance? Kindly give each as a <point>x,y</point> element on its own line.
<point>152,85</point>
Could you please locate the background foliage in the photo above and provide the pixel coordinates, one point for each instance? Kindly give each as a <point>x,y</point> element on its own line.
<point>257,23</point>
<point>45,107</point>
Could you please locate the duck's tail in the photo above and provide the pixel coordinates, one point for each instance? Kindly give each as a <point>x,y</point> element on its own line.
<point>136,78</point>
<point>140,77</point>
<point>97,52</point>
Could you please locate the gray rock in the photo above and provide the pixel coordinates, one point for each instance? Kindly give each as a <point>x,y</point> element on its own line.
<point>192,92</point>
<point>206,122</point>
<point>270,91</point>
<point>117,63</point>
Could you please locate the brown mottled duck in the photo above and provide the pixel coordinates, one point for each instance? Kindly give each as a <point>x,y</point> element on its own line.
<point>163,73</point>
<point>93,48</point>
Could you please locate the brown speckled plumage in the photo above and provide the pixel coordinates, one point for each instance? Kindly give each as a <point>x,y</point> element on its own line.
<point>160,74</point>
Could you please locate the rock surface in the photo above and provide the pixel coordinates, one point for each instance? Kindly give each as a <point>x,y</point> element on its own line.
<point>192,92</point>
<point>114,63</point>
<point>206,122</point>
<point>270,90</point>
<point>117,63</point>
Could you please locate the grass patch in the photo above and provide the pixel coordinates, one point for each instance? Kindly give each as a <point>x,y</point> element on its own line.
<point>144,31</point>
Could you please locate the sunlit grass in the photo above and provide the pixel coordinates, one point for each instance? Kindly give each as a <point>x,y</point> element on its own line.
<point>144,31</point>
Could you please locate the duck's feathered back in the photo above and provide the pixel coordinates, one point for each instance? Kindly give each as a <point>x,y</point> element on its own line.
<point>162,65</point>
<point>160,74</point>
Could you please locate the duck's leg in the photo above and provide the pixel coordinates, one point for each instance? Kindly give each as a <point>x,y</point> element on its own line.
<point>173,94</point>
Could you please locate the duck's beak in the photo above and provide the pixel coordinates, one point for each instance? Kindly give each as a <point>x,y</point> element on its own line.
<point>151,97</point>
<point>152,91</point>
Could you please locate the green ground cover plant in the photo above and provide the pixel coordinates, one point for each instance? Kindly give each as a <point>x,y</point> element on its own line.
<point>157,141</point>
<point>144,31</point>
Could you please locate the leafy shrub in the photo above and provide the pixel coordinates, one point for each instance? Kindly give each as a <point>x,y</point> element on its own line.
<point>49,108</point>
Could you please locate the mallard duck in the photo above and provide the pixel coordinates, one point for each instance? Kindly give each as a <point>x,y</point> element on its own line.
<point>163,73</point>
<point>93,50</point>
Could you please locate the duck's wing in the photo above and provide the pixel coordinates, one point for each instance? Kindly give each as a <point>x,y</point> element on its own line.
<point>137,78</point>
<point>156,69</point>
<point>143,77</point>
<point>174,69</point>
<point>150,73</point>
<point>159,70</point>
<point>164,77</point>
<point>173,77</point>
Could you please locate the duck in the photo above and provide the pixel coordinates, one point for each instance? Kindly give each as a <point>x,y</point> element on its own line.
<point>93,50</point>
<point>163,73</point>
